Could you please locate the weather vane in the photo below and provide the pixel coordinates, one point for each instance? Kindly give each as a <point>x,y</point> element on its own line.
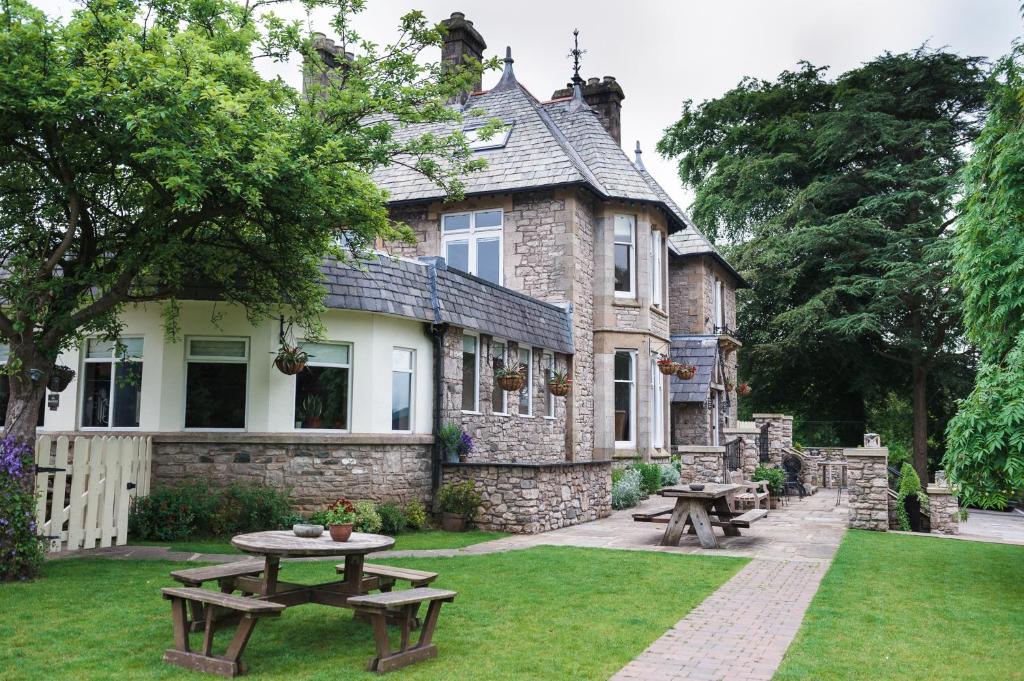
<point>576,53</point>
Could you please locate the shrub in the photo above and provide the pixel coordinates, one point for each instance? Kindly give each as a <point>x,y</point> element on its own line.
<point>910,486</point>
<point>617,474</point>
<point>367,518</point>
<point>21,549</point>
<point>626,491</point>
<point>650,477</point>
<point>249,507</point>
<point>669,475</point>
<point>415,515</point>
<point>460,498</point>
<point>392,519</point>
<point>774,476</point>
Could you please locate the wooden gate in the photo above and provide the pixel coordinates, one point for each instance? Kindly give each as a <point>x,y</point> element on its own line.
<point>105,474</point>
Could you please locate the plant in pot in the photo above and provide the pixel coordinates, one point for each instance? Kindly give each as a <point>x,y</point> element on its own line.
<point>743,389</point>
<point>339,518</point>
<point>312,411</point>
<point>909,499</point>
<point>511,378</point>
<point>291,359</point>
<point>60,377</point>
<point>776,480</point>
<point>686,371</point>
<point>560,384</point>
<point>457,502</point>
<point>667,366</point>
<point>448,436</point>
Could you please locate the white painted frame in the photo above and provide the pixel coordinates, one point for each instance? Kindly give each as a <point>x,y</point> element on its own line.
<point>472,236</point>
<point>657,406</point>
<point>495,390</point>
<point>189,357</point>
<point>529,381</point>
<point>626,444</point>
<point>351,381</point>
<point>412,386</point>
<point>631,293</point>
<point>719,305</point>
<point>115,360</point>
<point>476,382</point>
<point>547,360</point>
<point>657,269</point>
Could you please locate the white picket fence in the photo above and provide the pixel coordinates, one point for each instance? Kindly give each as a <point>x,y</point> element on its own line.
<point>106,473</point>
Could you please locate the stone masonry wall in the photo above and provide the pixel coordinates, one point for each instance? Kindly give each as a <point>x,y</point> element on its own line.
<point>690,424</point>
<point>780,434</point>
<point>701,464</point>
<point>316,469</point>
<point>943,509</point>
<point>582,298</point>
<point>527,499</point>
<point>749,452</point>
<point>868,487</point>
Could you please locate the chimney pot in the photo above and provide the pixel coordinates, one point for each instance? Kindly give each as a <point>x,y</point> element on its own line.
<point>461,42</point>
<point>605,98</point>
<point>593,81</point>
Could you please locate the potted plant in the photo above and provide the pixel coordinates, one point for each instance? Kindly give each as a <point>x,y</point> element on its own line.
<point>464,447</point>
<point>339,518</point>
<point>60,377</point>
<point>909,499</point>
<point>667,366</point>
<point>457,502</point>
<point>511,378</point>
<point>776,482</point>
<point>291,359</point>
<point>448,437</point>
<point>560,384</point>
<point>743,389</point>
<point>686,371</point>
<point>312,411</point>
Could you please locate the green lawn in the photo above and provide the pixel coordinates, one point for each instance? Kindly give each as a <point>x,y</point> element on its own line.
<point>424,539</point>
<point>900,607</point>
<point>542,613</point>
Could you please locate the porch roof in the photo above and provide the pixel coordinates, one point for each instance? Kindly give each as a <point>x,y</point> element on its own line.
<point>701,352</point>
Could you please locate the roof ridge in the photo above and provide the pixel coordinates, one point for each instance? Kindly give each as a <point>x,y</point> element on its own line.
<point>569,149</point>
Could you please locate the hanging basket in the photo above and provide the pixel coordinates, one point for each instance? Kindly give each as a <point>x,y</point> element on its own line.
<point>743,389</point>
<point>560,389</point>
<point>512,382</point>
<point>60,378</point>
<point>667,367</point>
<point>686,372</point>
<point>289,367</point>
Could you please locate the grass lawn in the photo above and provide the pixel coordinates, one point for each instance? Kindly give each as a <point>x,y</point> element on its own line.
<point>899,607</point>
<point>424,539</point>
<point>542,613</point>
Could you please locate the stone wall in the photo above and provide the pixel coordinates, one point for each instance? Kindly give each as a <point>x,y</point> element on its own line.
<point>780,434</point>
<point>691,424</point>
<point>701,464</point>
<point>316,468</point>
<point>943,509</point>
<point>582,297</point>
<point>749,452</point>
<point>868,487</point>
<point>527,498</point>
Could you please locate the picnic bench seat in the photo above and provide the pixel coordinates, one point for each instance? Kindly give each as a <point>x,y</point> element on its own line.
<point>389,575</point>
<point>225,574</point>
<point>248,611</point>
<point>719,520</point>
<point>381,607</point>
<point>751,516</point>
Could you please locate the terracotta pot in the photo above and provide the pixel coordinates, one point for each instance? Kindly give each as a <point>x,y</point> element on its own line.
<point>669,368</point>
<point>289,367</point>
<point>314,421</point>
<point>453,522</point>
<point>341,532</point>
<point>512,383</point>
<point>560,389</point>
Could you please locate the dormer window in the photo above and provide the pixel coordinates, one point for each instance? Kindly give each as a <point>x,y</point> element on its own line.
<point>472,242</point>
<point>496,141</point>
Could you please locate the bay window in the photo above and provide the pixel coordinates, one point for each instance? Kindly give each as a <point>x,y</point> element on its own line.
<point>625,398</point>
<point>625,256</point>
<point>499,401</point>
<point>403,365</point>
<point>112,383</point>
<point>322,388</point>
<point>216,382</point>
<point>472,242</point>
<point>657,271</point>
<point>526,394</point>
<point>470,373</point>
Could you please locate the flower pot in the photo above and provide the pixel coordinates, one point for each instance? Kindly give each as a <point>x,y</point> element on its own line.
<point>685,373</point>
<point>668,368</point>
<point>313,422</point>
<point>341,532</point>
<point>773,501</point>
<point>453,522</point>
<point>560,389</point>
<point>511,384</point>
<point>452,455</point>
<point>463,458</point>
<point>289,367</point>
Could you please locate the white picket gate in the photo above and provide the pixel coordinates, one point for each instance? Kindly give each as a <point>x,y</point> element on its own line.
<point>106,473</point>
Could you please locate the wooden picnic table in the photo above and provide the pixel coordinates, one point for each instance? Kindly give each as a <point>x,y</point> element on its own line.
<point>694,506</point>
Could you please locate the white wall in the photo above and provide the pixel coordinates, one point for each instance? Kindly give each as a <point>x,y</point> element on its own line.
<point>271,395</point>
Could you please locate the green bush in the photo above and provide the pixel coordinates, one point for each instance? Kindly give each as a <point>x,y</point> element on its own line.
<point>392,519</point>
<point>617,474</point>
<point>650,477</point>
<point>910,486</point>
<point>21,548</point>
<point>460,498</point>
<point>415,515</point>
<point>249,507</point>
<point>774,476</point>
<point>626,491</point>
<point>367,518</point>
<point>669,475</point>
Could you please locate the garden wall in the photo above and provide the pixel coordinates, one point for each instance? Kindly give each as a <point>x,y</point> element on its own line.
<point>868,487</point>
<point>530,498</point>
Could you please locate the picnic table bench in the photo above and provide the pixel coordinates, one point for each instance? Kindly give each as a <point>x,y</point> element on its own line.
<point>695,508</point>
<point>382,607</point>
<point>225,575</point>
<point>737,519</point>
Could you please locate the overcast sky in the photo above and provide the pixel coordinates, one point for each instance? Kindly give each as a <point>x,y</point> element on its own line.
<point>668,51</point>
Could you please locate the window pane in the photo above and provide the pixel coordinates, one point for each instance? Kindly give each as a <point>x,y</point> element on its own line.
<point>99,348</point>
<point>469,344</point>
<point>469,373</point>
<point>215,395</point>
<point>327,353</point>
<point>132,347</point>
<point>488,260</point>
<point>488,218</point>
<point>623,407</point>
<point>623,263</point>
<point>525,402</point>
<point>199,347</point>
<point>623,366</point>
<point>457,255</point>
<point>127,394</point>
<point>401,400</point>
<point>497,362</point>
<point>96,400</point>
<point>624,229</point>
<point>401,360</point>
<point>321,398</point>
<point>455,223</point>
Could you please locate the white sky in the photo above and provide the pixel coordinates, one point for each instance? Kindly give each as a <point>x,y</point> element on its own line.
<point>667,51</point>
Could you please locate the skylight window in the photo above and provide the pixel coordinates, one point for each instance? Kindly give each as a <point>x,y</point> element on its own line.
<point>496,141</point>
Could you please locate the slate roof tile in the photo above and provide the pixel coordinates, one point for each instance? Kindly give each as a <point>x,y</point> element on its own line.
<point>701,352</point>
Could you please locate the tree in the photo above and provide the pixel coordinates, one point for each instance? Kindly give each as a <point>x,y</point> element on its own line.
<point>838,196</point>
<point>985,458</point>
<point>142,156</point>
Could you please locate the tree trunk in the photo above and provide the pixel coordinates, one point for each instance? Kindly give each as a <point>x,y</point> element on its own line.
<point>920,408</point>
<point>26,395</point>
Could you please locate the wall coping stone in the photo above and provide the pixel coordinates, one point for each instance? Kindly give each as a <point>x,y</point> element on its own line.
<point>751,430</point>
<point>247,437</point>
<point>699,449</point>
<point>515,464</point>
<point>866,451</point>
<point>773,416</point>
<point>939,489</point>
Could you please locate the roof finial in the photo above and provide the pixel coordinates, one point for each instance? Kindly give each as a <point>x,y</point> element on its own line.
<point>639,162</point>
<point>575,53</point>
<point>577,102</point>
<point>508,78</point>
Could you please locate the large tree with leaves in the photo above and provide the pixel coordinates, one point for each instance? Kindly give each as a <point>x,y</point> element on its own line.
<point>142,155</point>
<point>986,437</point>
<point>838,197</point>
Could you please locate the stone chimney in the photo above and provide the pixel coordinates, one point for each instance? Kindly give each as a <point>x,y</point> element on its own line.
<point>605,97</point>
<point>332,55</point>
<point>462,41</point>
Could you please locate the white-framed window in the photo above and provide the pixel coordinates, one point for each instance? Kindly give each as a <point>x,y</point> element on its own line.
<point>216,382</point>
<point>625,256</point>
<point>657,406</point>
<point>470,373</point>
<point>625,398</point>
<point>548,362</point>
<point>719,310</point>
<point>112,383</point>
<point>656,270</point>
<point>526,394</point>
<point>715,416</point>
<point>323,388</point>
<point>472,242</point>
<point>499,399</point>
<point>403,382</point>
<point>5,390</point>
<point>496,141</point>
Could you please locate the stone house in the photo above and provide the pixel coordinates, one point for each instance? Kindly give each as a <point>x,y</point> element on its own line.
<point>565,254</point>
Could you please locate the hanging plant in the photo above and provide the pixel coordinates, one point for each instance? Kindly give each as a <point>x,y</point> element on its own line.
<point>60,378</point>
<point>291,359</point>
<point>560,384</point>
<point>686,371</point>
<point>667,366</point>
<point>743,389</point>
<point>511,378</point>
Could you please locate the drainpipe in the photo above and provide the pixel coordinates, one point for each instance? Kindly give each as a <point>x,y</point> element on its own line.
<point>436,330</point>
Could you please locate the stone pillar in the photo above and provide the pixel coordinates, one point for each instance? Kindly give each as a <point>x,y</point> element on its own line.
<point>701,463</point>
<point>750,455</point>
<point>868,486</point>
<point>943,509</point>
<point>780,433</point>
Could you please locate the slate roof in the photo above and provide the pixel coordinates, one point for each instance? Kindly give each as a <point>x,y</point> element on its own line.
<point>701,352</point>
<point>431,292</point>
<point>551,144</point>
<point>692,242</point>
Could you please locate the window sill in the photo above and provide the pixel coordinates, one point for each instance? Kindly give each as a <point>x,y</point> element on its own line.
<point>499,413</point>
<point>626,301</point>
<point>471,413</point>
<point>526,416</point>
<point>660,312</point>
<point>550,418</point>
